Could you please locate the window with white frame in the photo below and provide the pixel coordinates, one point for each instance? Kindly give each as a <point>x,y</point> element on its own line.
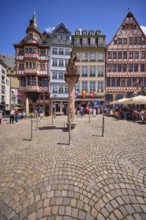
<point>77,41</point>
<point>100,71</point>
<point>92,56</point>
<point>100,86</point>
<point>78,56</point>
<point>100,42</point>
<point>84,56</point>
<point>61,51</point>
<point>85,41</point>
<point>64,39</point>
<point>54,75</point>
<point>54,50</point>
<point>92,86</point>
<point>84,70</point>
<point>54,62</point>
<point>66,88</point>
<point>92,70</point>
<point>61,63</point>
<point>92,42</point>
<point>78,70</point>
<point>67,51</point>
<point>77,87</point>
<point>54,88</point>
<point>66,62</point>
<point>61,75</point>
<point>58,39</point>
<point>61,89</point>
<point>84,85</point>
<point>100,56</point>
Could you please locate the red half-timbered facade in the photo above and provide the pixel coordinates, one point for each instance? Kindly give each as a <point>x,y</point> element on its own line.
<point>32,68</point>
<point>126,61</point>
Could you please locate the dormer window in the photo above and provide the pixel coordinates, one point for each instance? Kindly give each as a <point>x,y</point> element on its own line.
<point>30,36</point>
<point>58,39</point>
<point>84,32</point>
<point>36,37</point>
<point>91,32</point>
<point>77,32</point>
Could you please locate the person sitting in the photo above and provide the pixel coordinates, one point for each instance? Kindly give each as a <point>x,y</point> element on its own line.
<point>135,114</point>
<point>141,113</point>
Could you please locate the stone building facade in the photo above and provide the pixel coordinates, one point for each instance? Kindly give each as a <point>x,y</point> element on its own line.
<point>90,48</point>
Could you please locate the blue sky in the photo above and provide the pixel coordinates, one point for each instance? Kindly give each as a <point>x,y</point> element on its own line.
<point>104,15</point>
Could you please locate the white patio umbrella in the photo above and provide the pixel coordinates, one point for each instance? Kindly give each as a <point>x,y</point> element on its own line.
<point>137,100</point>
<point>120,101</point>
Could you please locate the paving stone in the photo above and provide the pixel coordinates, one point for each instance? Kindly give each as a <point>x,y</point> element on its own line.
<point>93,178</point>
<point>82,215</point>
<point>75,212</point>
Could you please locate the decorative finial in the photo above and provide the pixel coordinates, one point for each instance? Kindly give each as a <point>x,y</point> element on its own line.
<point>34,11</point>
<point>128,9</point>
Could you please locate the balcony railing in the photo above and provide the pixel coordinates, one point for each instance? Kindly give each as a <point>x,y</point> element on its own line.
<point>34,89</point>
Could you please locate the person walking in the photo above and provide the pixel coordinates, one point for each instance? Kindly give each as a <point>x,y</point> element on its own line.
<point>16,116</point>
<point>1,116</point>
<point>12,115</point>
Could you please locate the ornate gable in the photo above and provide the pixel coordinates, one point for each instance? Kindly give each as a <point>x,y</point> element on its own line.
<point>61,29</point>
<point>128,29</point>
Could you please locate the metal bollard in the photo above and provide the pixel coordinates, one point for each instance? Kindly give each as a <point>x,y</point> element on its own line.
<point>31,129</point>
<point>37,123</point>
<point>52,119</point>
<point>103,126</point>
<point>89,115</point>
<point>69,142</point>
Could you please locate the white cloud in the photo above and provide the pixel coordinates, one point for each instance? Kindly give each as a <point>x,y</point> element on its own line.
<point>144,29</point>
<point>49,29</point>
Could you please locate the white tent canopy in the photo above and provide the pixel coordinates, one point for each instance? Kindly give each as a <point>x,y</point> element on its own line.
<point>118,102</point>
<point>137,100</point>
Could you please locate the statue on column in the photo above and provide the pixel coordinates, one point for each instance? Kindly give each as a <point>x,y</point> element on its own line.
<point>71,67</point>
<point>71,78</point>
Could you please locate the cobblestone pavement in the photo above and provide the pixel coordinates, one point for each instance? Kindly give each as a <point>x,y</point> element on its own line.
<point>92,178</point>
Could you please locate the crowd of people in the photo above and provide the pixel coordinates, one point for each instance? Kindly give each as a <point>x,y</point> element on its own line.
<point>81,111</point>
<point>127,113</point>
<point>14,115</point>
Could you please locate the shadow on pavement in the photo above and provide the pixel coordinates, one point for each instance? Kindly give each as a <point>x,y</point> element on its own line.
<point>53,127</point>
<point>63,143</point>
<point>97,135</point>
<point>27,139</point>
